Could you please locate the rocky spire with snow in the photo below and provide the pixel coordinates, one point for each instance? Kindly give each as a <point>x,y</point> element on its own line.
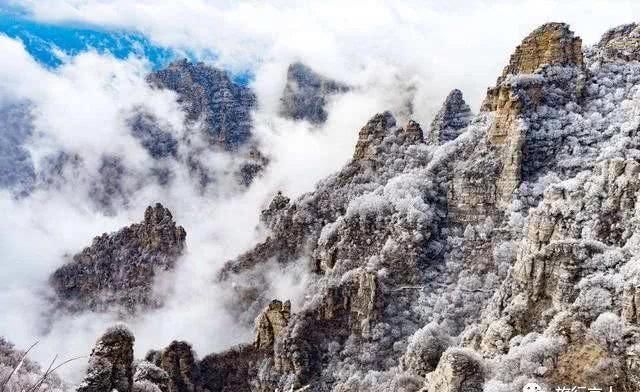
<point>306,93</point>
<point>454,116</point>
<point>117,271</point>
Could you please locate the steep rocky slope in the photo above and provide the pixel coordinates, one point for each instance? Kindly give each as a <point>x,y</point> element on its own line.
<point>503,254</point>
<point>117,271</point>
<point>207,94</point>
<point>534,201</point>
<point>306,93</point>
<point>450,120</point>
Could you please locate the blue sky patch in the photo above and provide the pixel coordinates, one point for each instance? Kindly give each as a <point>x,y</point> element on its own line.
<point>42,40</point>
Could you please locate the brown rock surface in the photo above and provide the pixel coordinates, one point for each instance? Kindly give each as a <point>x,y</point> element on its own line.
<point>551,43</point>
<point>179,361</point>
<point>271,322</point>
<point>457,371</point>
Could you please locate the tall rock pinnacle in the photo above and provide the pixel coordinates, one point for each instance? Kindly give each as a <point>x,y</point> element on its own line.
<point>372,134</point>
<point>450,119</point>
<point>522,88</point>
<point>110,363</point>
<point>551,43</point>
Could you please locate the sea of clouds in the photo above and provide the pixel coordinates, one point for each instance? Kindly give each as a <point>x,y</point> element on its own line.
<point>397,54</point>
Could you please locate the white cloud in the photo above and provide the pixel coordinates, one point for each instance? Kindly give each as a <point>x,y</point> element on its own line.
<point>459,44</point>
<point>387,48</point>
<point>81,107</point>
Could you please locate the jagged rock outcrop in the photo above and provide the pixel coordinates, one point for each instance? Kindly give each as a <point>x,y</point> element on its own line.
<point>549,44</point>
<point>179,361</point>
<point>380,132</point>
<point>296,226</point>
<point>349,310</point>
<point>457,371</point>
<point>505,257</point>
<point>271,322</point>
<point>451,119</point>
<point>118,269</point>
<point>621,43</point>
<point>111,367</point>
<point>372,135</point>
<point>306,93</point>
<point>576,225</point>
<point>207,94</point>
<point>351,301</point>
<point>110,363</point>
<point>570,272</point>
<point>578,244</point>
<point>545,70</point>
<point>497,160</point>
<point>149,377</point>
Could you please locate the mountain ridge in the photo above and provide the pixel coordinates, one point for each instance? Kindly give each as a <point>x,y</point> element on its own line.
<point>503,255</point>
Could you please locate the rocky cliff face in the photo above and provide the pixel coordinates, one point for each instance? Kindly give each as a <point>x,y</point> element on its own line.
<point>620,44</point>
<point>207,94</point>
<point>118,269</point>
<point>306,93</point>
<point>503,257</point>
<point>545,71</point>
<point>110,363</point>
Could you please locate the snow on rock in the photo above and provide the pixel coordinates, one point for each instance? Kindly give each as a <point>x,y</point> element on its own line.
<point>306,94</point>
<point>117,271</point>
<point>451,119</point>
<point>504,256</point>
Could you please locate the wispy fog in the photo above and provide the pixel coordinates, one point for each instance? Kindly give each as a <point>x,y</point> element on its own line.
<point>396,54</point>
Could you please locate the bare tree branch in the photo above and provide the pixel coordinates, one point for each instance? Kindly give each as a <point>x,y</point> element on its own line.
<point>15,368</point>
